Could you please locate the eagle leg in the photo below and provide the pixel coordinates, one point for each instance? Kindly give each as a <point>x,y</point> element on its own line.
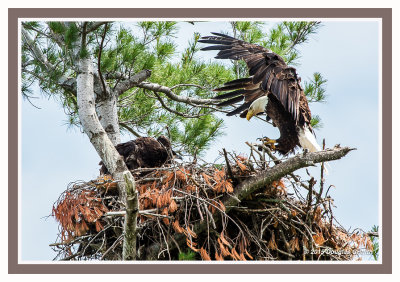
<point>269,143</point>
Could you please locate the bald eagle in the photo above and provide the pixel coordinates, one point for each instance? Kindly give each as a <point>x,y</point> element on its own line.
<point>144,152</point>
<point>273,88</point>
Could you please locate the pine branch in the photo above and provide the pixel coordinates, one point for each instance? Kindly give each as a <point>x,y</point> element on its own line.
<point>170,94</point>
<point>65,82</point>
<point>301,35</point>
<point>49,35</point>
<point>59,39</point>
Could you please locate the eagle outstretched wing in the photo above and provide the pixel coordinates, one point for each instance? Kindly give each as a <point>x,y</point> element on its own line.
<point>269,74</point>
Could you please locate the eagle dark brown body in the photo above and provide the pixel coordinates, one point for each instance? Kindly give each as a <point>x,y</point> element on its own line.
<point>143,152</point>
<point>287,128</point>
<point>269,76</point>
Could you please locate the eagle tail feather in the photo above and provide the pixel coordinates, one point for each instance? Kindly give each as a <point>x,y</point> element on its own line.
<point>308,141</point>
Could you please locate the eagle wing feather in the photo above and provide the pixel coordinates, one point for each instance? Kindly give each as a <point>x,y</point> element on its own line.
<point>269,72</point>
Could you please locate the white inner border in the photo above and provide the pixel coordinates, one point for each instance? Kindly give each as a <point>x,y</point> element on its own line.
<point>379,20</point>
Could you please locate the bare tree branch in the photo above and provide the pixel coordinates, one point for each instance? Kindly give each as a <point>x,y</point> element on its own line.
<point>115,75</point>
<point>83,40</point>
<point>124,125</point>
<point>136,80</point>
<point>188,85</point>
<point>170,94</point>
<point>95,26</point>
<point>173,111</point>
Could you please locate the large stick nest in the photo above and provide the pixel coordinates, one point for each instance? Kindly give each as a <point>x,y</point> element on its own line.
<point>186,212</point>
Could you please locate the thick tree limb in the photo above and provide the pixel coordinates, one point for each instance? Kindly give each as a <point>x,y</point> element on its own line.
<point>116,75</point>
<point>127,84</point>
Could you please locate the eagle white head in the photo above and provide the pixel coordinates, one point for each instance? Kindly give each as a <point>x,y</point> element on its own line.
<point>258,106</point>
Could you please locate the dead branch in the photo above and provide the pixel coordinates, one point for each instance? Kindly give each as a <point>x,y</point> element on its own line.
<point>278,171</point>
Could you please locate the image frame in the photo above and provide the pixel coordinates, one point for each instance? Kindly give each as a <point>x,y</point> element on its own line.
<point>14,266</point>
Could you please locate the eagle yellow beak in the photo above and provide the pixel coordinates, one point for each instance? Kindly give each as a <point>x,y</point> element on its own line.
<point>250,114</point>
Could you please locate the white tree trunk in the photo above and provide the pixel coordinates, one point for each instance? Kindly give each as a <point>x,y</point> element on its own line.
<point>108,116</point>
<point>107,152</point>
<point>93,128</point>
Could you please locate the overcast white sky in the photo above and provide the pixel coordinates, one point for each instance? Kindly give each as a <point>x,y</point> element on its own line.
<point>346,53</point>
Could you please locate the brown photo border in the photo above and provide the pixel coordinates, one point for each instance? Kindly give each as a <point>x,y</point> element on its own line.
<point>161,13</point>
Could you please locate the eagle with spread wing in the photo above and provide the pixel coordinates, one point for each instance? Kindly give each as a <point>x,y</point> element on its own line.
<point>272,88</point>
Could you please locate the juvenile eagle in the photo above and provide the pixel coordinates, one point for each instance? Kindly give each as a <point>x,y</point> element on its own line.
<point>143,152</point>
<point>272,88</point>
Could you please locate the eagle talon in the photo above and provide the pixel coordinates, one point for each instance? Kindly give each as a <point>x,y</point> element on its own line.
<point>272,147</point>
<point>270,143</point>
